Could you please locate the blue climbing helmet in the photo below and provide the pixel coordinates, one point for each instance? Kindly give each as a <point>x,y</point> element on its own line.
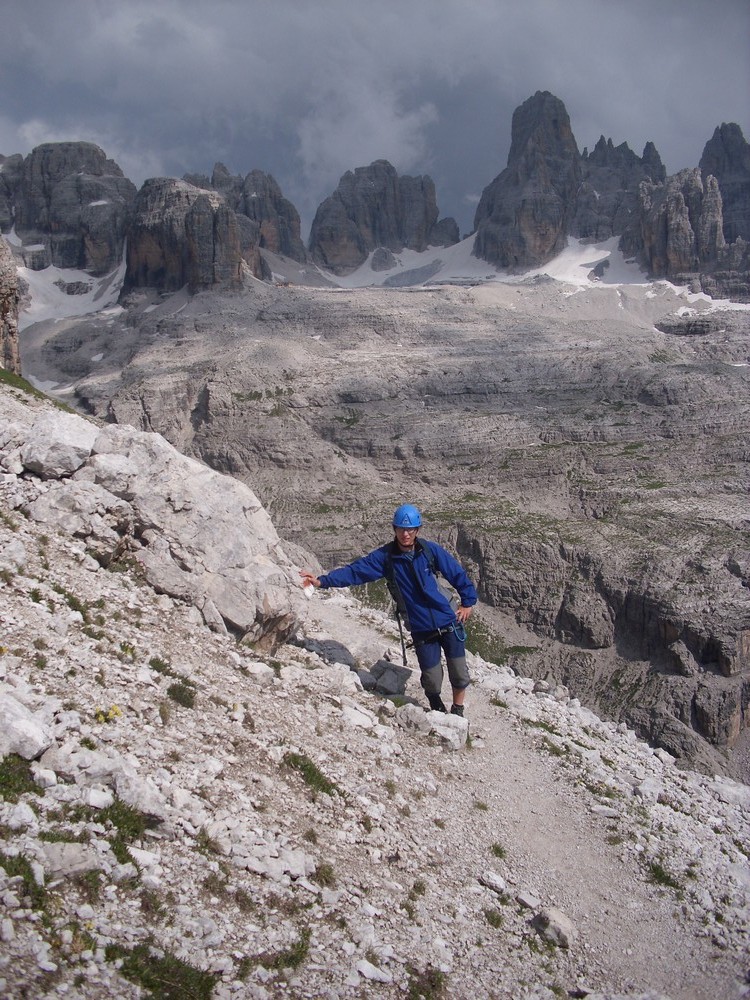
<point>407,516</point>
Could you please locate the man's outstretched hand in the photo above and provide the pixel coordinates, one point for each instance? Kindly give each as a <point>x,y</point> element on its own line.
<point>308,580</point>
<point>463,614</point>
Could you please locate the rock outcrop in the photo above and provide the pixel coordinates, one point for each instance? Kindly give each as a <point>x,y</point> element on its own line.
<point>681,223</point>
<point>683,236</point>
<point>259,198</point>
<point>374,208</point>
<point>197,535</point>
<point>726,157</point>
<point>181,235</point>
<point>10,358</point>
<point>691,228</point>
<point>607,204</point>
<point>525,215</point>
<point>11,169</point>
<point>74,203</point>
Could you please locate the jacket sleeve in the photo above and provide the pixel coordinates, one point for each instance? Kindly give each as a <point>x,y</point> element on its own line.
<point>365,570</point>
<point>456,576</point>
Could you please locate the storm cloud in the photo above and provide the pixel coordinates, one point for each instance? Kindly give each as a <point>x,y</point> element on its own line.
<point>308,90</point>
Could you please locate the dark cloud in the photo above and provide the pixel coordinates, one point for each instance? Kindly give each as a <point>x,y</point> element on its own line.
<point>307,91</point>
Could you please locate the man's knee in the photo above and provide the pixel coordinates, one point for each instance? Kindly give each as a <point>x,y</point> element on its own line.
<point>458,672</point>
<point>432,679</point>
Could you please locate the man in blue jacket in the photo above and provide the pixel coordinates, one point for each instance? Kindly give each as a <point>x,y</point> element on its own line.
<point>413,568</point>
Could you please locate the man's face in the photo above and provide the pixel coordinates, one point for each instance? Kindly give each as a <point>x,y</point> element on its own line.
<point>406,538</point>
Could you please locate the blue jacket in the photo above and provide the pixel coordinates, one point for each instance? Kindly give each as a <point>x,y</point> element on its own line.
<point>426,607</point>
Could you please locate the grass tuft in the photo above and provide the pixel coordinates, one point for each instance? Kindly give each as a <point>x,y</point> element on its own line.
<point>311,773</point>
<point>161,974</point>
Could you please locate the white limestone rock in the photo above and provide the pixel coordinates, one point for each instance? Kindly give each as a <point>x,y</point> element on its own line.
<point>57,443</point>
<point>22,731</point>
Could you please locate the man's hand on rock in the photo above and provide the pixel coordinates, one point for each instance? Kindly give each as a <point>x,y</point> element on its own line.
<point>308,580</point>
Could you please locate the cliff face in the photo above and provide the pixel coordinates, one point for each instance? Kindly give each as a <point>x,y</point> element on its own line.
<point>526,213</point>
<point>374,208</point>
<point>74,202</point>
<point>691,228</point>
<point>9,296</point>
<point>182,235</point>
<point>726,157</point>
<point>261,208</point>
<point>72,207</point>
<point>607,202</point>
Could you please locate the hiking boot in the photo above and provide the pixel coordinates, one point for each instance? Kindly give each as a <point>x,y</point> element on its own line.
<point>457,710</point>
<point>436,703</point>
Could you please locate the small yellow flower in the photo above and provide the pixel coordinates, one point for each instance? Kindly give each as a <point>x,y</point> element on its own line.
<point>107,715</point>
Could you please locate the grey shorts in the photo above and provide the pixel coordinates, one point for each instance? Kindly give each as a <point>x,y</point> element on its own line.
<point>429,654</point>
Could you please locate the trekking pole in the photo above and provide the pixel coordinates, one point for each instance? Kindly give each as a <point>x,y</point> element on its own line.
<point>401,633</point>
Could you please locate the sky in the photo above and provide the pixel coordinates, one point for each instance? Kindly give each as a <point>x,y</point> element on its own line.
<point>308,89</point>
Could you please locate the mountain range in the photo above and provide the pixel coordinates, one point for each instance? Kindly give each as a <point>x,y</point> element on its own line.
<point>71,207</point>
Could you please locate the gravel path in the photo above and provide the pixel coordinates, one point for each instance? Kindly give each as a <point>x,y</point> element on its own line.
<point>507,791</point>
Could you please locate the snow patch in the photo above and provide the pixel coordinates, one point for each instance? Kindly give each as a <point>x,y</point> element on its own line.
<point>50,301</point>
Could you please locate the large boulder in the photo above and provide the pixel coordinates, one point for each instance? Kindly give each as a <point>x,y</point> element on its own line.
<point>198,535</point>
<point>373,207</point>
<point>182,235</point>
<point>10,358</point>
<point>76,203</point>
<point>525,214</point>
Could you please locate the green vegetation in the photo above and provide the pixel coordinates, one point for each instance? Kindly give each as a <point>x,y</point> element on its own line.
<point>183,692</point>
<point>554,749</point>
<point>324,875</point>
<point>498,850</point>
<point>19,866</point>
<point>658,874</point>
<point>429,984</point>
<point>662,357</point>
<point>16,382</point>
<point>163,976</point>
<point>247,397</point>
<point>352,418</point>
<point>8,521</point>
<point>375,595</point>
<point>494,918</point>
<point>310,772</point>
<point>15,778</point>
<point>73,602</point>
<point>129,824</point>
<point>484,642</point>
<point>289,958</point>
<point>541,724</point>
